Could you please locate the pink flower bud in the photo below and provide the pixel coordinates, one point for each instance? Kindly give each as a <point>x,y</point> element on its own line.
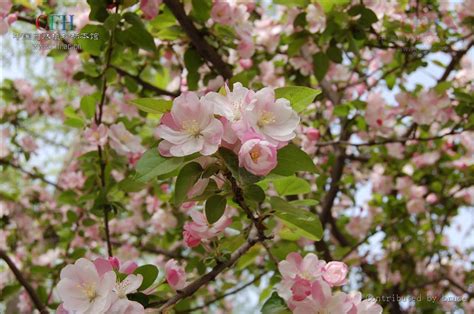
<point>313,134</point>
<point>175,275</point>
<point>335,273</point>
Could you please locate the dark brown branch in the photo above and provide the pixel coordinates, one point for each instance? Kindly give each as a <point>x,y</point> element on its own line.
<point>210,276</point>
<point>454,61</point>
<point>388,140</point>
<point>206,51</point>
<point>22,280</point>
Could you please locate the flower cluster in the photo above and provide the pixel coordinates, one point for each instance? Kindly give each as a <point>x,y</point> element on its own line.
<point>253,124</point>
<point>306,287</point>
<point>97,287</point>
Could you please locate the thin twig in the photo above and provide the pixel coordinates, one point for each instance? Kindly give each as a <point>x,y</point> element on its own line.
<point>210,276</point>
<point>236,290</point>
<point>24,282</point>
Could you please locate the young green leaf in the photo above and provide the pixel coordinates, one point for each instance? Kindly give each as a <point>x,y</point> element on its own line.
<point>215,207</point>
<point>320,65</point>
<point>292,159</point>
<point>149,273</point>
<point>187,177</point>
<point>153,105</point>
<point>151,165</point>
<point>306,223</point>
<point>299,96</point>
<point>275,305</point>
<point>291,186</point>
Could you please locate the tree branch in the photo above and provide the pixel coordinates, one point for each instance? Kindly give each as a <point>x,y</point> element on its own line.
<point>454,61</point>
<point>236,290</point>
<point>30,174</point>
<point>22,280</point>
<point>210,276</point>
<point>206,51</point>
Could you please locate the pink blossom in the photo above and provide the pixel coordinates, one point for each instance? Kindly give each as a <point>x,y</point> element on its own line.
<point>431,198</point>
<point>246,47</point>
<point>222,12</point>
<point>201,230</point>
<point>83,290</point>
<point>427,107</point>
<point>425,159</point>
<point>163,220</point>
<point>24,88</point>
<point>312,134</point>
<point>257,155</point>
<point>301,289</point>
<point>309,268</point>
<point>275,120</point>
<point>335,273</point>
<point>416,206</point>
<point>316,18</point>
<point>246,63</point>
<point>231,107</point>
<point>124,142</point>
<point>72,180</point>
<point>28,144</point>
<point>96,136</point>
<point>377,115</point>
<point>150,8</point>
<point>189,128</point>
<point>121,304</point>
<point>175,275</point>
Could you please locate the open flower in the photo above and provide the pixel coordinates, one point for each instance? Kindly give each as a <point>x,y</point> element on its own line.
<point>96,135</point>
<point>275,120</point>
<point>175,275</point>
<point>189,128</point>
<point>83,290</point>
<point>257,155</point>
<point>200,229</point>
<point>150,8</point>
<point>124,142</point>
<point>122,305</point>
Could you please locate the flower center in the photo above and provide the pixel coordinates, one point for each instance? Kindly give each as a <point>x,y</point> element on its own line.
<point>192,127</point>
<point>266,118</point>
<point>89,290</point>
<point>255,154</point>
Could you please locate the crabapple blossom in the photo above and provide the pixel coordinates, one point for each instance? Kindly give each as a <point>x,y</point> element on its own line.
<point>96,135</point>
<point>189,128</point>
<point>201,230</point>
<point>222,12</point>
<point>335,273</point>
<point>83,290</point>
<point>257,155</point>
<point>274,119</point>
<point>175,275</point>
<point>150,8</point>
<point>124,142</point>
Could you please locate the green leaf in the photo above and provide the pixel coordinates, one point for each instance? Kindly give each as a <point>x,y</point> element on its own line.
<point>201,10</point>
<point>89,43</point>
<point>306,223</point>
<point>275,305</point>
<point>341,110</point>
<point>149,273</point>
<point>187,177</point>
<point>140,37</point>
<point>292,3</point>
<point>98,10</point>
<point>335,54</point>
<point>153,105</point>
<point>254,193</point>
<point>215,207</point>
<point>151,165</point>
<point>291,186</point>
<point>299,96</point>
<point>72,118</point>
<point>320,65</point>
<point>243,77</point>
<point>368,17</point>
<point>88,105</point>
<point>192,61</point>
<point>292,159</point>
